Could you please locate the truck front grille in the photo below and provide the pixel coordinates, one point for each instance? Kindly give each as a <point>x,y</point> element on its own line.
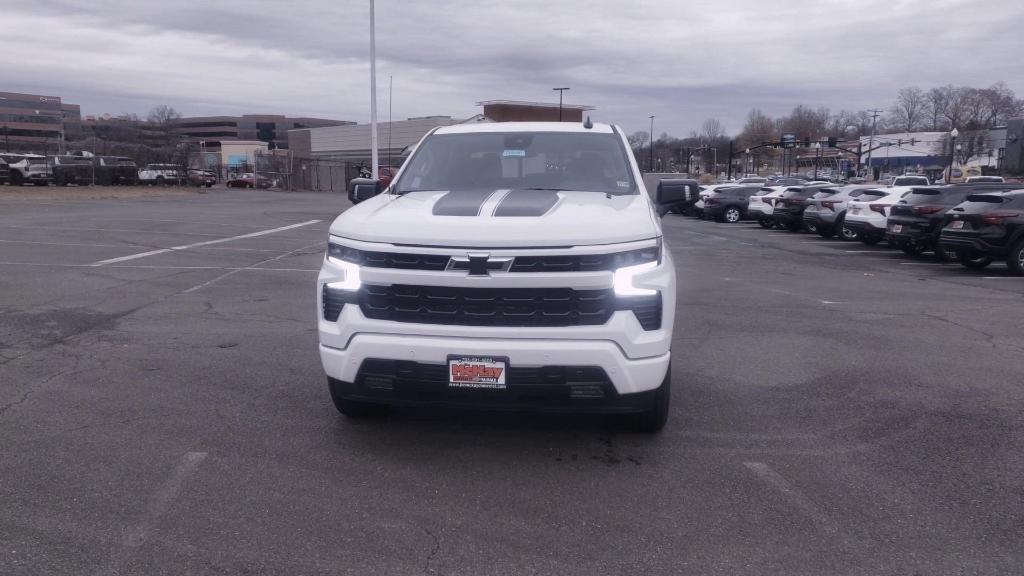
<point>525,307</point>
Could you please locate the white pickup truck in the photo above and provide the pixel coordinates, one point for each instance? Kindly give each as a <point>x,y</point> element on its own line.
<point>508,266</point>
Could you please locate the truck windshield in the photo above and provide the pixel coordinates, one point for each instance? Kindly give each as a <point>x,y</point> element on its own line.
<point>591,162</point>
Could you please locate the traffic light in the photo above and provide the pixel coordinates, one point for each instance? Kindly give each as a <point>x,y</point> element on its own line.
<point>832,141</point>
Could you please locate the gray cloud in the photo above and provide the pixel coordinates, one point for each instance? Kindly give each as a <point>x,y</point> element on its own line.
<point>682,61</point>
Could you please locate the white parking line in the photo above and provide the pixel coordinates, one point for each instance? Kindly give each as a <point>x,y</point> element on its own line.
<point>197,244</point>
<point>1003,277</point>
<point>798,500</point>
<point>231,272</point>
<point>142,267</point>
<point>121,245</point>
<point>135,536</point>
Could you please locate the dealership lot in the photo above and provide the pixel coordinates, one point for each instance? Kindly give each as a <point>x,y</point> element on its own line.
<point>838,409</point>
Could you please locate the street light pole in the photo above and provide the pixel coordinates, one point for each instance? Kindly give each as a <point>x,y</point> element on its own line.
<point>374,156</point>
<point>560,91</point>
<point>952,153</point>
<point>651,168</point>
<point>871,139</point>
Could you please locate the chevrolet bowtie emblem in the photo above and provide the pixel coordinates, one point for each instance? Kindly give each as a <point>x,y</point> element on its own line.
<point>479,264</point>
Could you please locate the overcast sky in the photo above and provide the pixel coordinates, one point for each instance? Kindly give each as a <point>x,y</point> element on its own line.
<point>681,61</point>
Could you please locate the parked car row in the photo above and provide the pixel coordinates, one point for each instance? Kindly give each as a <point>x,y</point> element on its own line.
<point>973,223</point>
<point>21,169</point>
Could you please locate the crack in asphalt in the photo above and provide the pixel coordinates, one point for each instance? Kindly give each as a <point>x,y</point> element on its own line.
<point>433,552</point>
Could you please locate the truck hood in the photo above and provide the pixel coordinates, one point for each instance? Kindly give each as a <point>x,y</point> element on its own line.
<point>499,218</point>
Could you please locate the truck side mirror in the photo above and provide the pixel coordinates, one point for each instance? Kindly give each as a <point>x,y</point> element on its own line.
<point>671,194</point>
<point>361,189</point>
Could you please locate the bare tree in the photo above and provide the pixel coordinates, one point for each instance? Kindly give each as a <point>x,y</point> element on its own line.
<point>807,122</point>
<point>712,130</point>
<point>164,116</point>
<point>164,119</point>
<point>999,104</point>
<point>638,139</point>
<point>937,98</point>
<point>910,110</point>
<point>758,130</point>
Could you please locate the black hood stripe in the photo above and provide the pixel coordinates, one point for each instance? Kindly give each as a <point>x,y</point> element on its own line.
<point>461,202</point>
<point>527,203</point>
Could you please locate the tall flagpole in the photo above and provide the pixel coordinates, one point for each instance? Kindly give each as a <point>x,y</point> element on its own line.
<point>375,159</point>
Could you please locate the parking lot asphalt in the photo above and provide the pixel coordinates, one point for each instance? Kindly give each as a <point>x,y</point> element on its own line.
<point>837,409</point>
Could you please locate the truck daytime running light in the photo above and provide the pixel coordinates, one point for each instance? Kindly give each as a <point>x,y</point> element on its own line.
<point>623,279</point>
<point>350,280</point>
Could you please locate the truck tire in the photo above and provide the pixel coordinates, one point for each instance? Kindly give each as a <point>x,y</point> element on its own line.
<point>17,179</point>
<point>654,418</point>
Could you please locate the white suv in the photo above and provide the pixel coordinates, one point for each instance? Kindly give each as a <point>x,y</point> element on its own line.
<point>507,265</point>
<point>866,214</point>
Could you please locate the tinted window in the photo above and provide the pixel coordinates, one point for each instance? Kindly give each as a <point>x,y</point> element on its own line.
<point>979,203</point>
<point>520,160</point>
<point>949,197</point>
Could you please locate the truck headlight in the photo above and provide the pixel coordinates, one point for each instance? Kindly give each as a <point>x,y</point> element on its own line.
<point>347,259</point>
<point>630,264</point>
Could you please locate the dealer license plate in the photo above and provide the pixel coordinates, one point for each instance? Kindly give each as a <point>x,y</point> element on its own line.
<point>481,372</point>
<point>957,224</point>
<point>897,228</point>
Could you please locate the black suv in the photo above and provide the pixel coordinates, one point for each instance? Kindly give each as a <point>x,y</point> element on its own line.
<point>915,222</point>
<point>789,208</point>
<point>71,170</point>
<point>729,204</point>
<point>115,170</point>
<point>985,227</point>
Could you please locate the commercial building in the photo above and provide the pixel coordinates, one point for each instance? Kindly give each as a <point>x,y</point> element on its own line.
<point>269,128</point>
<point>326,158</point>
<point>978,151</point>
<point>36,123</point>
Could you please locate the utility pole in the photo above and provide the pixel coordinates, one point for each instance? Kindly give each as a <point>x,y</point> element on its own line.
<point>730,159</point>
<point>560,91</point>
<point>374,156</point>
<point>390,93</point>
<point>871,139</point>
<point>651,167</point>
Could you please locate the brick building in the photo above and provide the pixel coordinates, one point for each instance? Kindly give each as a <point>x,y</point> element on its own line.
<point>36,123</point>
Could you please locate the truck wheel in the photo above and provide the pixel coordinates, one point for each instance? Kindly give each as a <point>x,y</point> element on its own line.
<point>1015,261</point>
<point>17,179</point>
<point>765,223</point>
<point>826,231</point>
<point>354,408</point>
<point>654,418</point>
<point>160,181</point>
